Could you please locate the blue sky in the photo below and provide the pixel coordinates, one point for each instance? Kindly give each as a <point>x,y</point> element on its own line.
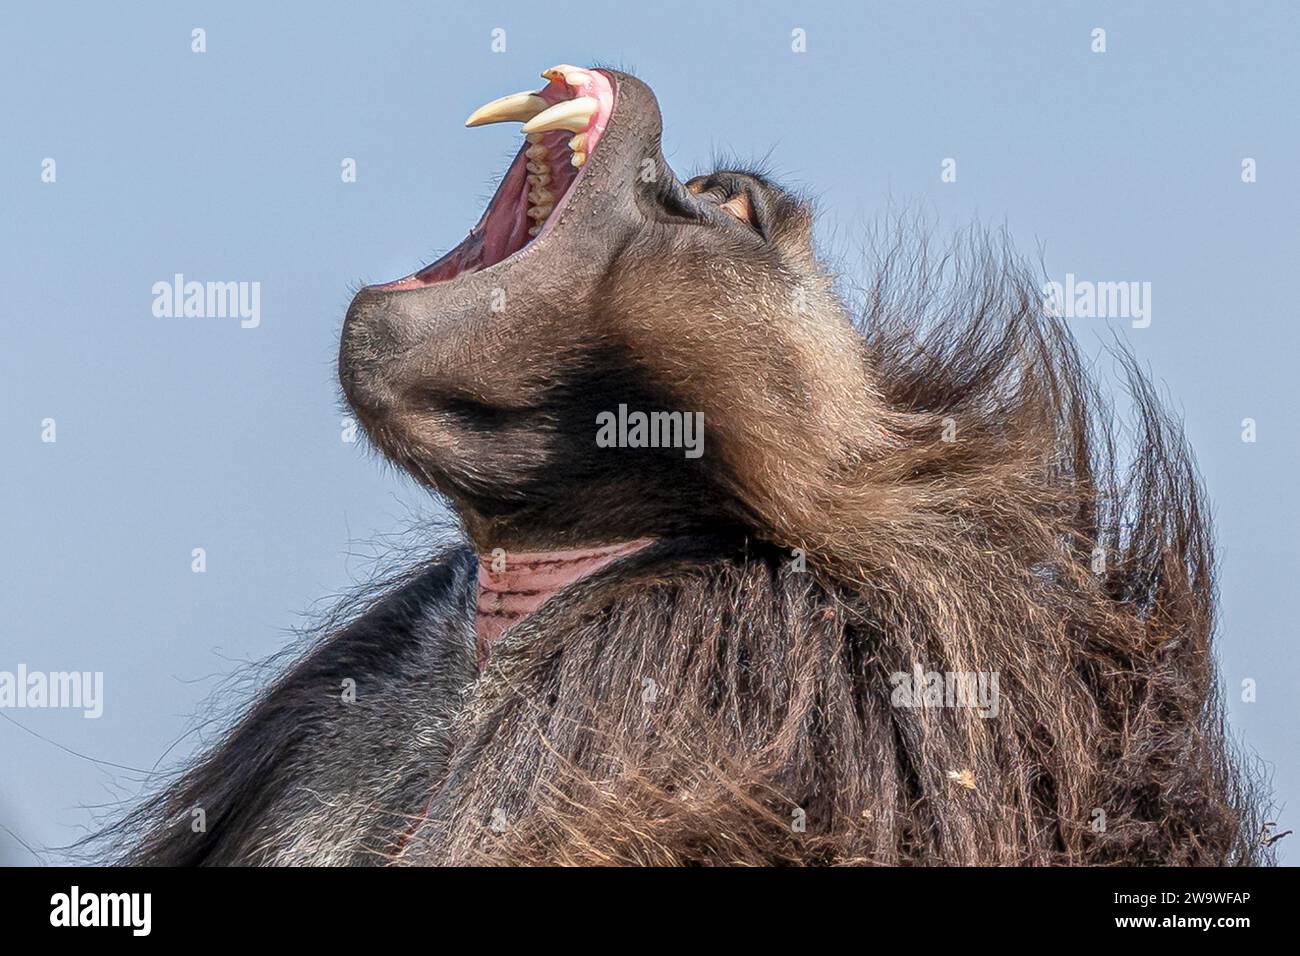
<point>176,434</point>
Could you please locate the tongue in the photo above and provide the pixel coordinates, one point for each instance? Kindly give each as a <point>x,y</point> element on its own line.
<point>505,230</point>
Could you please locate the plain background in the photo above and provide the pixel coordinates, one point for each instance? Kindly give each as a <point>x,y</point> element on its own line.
<point>175,434</point>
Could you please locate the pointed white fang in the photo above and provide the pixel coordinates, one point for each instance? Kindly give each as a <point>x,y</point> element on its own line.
<point>572,115</point>
<point>515,108</point>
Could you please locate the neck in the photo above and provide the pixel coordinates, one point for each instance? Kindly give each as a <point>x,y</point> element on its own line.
<point>514,584</point>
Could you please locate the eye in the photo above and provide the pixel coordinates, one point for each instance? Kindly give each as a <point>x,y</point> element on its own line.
<point>732,199</point>
<point>741,208</point>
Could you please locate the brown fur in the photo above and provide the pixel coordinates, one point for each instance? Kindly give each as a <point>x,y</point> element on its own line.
<point>972,555</point>
<point>933,487</point>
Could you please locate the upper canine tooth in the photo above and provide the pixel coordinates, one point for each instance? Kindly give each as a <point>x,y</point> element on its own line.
<point>573,115</point>
<point>516,108</point>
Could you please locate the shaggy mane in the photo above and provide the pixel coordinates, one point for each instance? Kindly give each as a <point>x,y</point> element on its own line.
<point>728,699</point>
<point>719,703</point>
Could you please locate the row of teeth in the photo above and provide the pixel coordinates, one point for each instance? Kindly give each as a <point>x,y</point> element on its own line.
<point>539,117</point>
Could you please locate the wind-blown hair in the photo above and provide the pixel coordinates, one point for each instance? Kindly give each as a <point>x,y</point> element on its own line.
<point>733,698</point>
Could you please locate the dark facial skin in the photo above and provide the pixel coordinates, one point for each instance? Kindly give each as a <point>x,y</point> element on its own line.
<point>646,292</point>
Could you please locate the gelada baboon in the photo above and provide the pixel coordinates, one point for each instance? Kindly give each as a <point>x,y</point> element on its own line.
<point>745,576</point>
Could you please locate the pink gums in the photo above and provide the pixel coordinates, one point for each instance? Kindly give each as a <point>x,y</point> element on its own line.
<point>503,230</point>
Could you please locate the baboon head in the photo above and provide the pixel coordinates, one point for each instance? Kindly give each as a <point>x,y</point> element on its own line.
<point>596,280</point>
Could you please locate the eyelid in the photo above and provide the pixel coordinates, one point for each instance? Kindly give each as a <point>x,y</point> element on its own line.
<point>744,210</point>
<point>741,206</point>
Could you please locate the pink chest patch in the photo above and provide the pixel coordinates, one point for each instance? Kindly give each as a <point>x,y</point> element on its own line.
<point>528,579</point>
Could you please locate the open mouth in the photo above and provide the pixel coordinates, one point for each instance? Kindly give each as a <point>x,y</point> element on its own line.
<point>563,123</point>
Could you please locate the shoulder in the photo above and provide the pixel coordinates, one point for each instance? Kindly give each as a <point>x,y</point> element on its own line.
<point>337,751</point>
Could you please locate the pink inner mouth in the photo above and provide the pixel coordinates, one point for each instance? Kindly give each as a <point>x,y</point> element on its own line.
<point>504,228</point>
